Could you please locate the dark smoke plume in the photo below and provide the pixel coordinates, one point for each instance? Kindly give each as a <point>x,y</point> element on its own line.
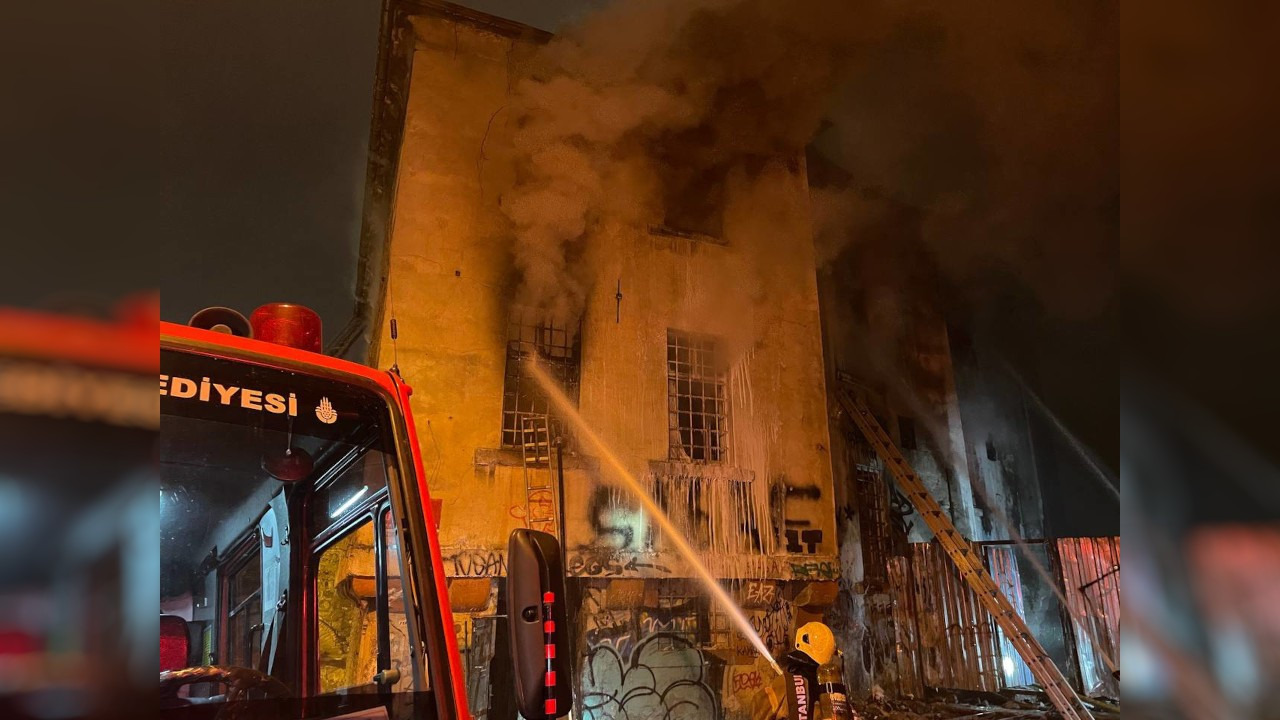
<point>637,108</point>
<point>999,122</point>
<point>995,121</point>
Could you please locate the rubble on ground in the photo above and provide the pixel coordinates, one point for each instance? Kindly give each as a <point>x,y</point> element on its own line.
<point>1012,704</point>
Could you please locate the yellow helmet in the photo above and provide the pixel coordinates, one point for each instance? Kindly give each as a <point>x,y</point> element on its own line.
<point>815,640</point>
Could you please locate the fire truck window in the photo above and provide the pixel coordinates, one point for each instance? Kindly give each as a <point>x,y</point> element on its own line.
<point>346,598</point>
<point>351,491</point>
<point>253,504</point>
<point>397,619</point>
<point>244,616</point>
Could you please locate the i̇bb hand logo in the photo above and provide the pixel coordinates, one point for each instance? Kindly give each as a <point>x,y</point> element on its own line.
<point>325,412</point>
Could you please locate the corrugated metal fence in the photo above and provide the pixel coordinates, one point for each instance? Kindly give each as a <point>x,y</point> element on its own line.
<point>955,638</point>
<point>1090,569</point>
<point>947,640</point>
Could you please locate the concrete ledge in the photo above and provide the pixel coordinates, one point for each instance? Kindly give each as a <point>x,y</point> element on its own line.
<point>671,470</point>
<point>509,457</point>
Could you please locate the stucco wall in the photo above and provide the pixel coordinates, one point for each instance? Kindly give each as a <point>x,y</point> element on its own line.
<point>451,289</point>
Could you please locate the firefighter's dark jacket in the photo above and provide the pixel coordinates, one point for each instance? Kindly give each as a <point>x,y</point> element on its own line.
<point>778,699</point>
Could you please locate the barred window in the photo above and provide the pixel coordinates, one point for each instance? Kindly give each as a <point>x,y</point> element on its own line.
<point>525,406</point>
<point>697,409</point>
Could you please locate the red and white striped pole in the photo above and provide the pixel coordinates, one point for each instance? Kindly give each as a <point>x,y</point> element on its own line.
<point>549,633</point>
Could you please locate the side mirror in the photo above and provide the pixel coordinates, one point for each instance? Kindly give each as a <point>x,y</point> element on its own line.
<point>539,631</point>
<point>175,644</point>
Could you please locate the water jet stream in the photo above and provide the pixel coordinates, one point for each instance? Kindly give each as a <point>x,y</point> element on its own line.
<point>568,412</point>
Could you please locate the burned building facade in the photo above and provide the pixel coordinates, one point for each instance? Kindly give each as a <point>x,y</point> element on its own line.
<point>708,345</point>
<point>977,437</point>
<point>696,355</point>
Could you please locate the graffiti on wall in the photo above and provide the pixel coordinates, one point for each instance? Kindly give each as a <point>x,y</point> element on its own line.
<point>716,507</point>
<point>772,624</point>
<point>620,628</point>
<point>679,621</point>
<point>663,676</point>
<point>476,562</point>
<point>650,659</point>
<point>815,570</point>
<point>604,626</point>
<point>803,541</point>
<point>747,681</point>
<point>760,593</point>
<point>794,508</point>
<point>617,521</point>
<point>538,511</point>
<point>594,562</point>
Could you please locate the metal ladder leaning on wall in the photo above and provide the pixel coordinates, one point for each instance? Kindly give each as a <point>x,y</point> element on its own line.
<point>535,441</point>
<point>970,565</point>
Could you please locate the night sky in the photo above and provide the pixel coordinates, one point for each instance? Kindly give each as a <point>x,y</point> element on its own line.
<point>276,138</point>
<point>213,150</point>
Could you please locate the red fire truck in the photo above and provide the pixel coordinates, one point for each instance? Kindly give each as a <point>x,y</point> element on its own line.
<point>78,428</point>
<point>300,571</point>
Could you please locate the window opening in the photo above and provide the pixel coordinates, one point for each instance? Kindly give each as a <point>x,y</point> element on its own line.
<point>400,647</point>
<point>721,632</point>
<point>872,499</point>
<point>345,610</point>
<point>693,205</point>
<point>362,623</point>
<point>697,406</point>
<point>524,404</point>
<point>906,432</point>
<point>244,614</point>
<point>225,566</point>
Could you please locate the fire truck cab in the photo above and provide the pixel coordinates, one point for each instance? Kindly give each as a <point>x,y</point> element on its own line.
<point>300,572</point>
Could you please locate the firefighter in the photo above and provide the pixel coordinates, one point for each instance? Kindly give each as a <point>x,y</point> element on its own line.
<point>794,694</point>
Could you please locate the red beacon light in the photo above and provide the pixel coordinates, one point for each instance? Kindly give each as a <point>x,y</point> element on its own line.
<point>296,326</point>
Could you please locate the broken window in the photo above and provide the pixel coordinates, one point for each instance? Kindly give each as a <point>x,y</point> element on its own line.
<point>527,413</point>
<point>697,408</point>
<point>243,641</point>
<point>693,203</point>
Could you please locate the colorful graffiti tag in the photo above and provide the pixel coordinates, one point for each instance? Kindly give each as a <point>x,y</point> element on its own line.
<point>815,570</point>
<point>760,593</point>
<point>746,681</point>
<point>664,676</point>
<point>538,512</point>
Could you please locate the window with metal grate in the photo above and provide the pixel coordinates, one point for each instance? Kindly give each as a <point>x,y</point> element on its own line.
<point>697,407</point>
<point>557,346</point>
